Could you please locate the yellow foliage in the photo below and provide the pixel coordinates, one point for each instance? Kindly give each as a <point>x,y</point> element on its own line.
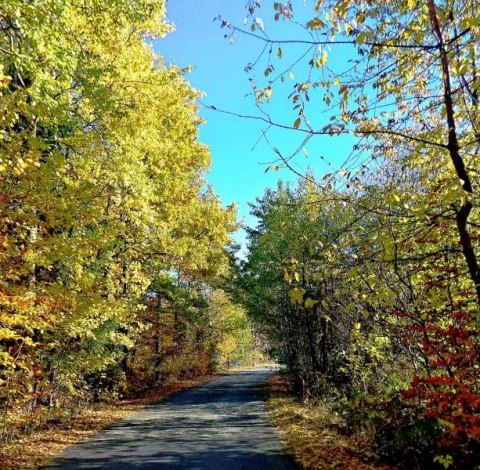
<point>101,184</point>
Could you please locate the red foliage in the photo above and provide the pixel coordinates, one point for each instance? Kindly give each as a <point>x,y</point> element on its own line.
<point>450,391</point>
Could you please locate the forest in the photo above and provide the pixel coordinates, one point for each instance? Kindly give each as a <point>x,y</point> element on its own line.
<point>118,267</point>
<point>113,249</point>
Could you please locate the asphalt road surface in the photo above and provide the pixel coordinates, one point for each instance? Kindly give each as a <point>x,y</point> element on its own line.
<point>222,425</point>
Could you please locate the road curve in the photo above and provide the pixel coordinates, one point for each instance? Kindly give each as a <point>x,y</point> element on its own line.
<point>221,425</point>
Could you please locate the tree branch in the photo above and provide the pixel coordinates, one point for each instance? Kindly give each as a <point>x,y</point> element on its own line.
<point>325,131</point>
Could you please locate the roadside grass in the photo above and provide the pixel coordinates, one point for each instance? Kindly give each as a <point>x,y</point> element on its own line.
<point>37,448</point>
<point>315,436</point>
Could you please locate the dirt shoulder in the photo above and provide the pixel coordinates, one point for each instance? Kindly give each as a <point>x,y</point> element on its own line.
<point>312,433</point>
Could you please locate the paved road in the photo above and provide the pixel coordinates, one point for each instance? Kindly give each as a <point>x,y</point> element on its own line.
<point>222,425</point>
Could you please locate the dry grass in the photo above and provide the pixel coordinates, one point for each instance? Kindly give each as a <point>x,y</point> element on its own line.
<point>312,433</point>
<point>38,449</point>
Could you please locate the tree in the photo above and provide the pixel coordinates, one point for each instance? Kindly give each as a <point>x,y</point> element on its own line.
<point>296,280</point>
<point>409,92</point>
<point>102,191</point>
<point>379,97</point>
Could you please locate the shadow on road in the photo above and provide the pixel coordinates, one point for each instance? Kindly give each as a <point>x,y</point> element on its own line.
<point>220,425</point>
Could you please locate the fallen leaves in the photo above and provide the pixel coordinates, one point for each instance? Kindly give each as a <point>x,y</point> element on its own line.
<point>311,433</point>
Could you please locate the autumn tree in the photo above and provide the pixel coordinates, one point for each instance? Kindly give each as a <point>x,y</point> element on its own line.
<point>102,192</point>
<point>406,63</point>
<point>296,282</point>
<point>408,90</point>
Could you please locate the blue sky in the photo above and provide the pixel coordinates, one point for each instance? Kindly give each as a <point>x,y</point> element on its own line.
<point>239,155</point>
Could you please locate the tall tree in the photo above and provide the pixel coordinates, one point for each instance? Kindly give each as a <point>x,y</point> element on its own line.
<point>410,83</point>
<point>102,188</point>
<point>409,91</point>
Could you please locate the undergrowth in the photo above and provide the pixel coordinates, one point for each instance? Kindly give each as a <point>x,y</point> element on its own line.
<point>365,432</point>
<point>315,434</point>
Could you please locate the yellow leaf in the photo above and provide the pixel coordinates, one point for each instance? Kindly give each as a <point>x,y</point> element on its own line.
<point>296,295</point>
